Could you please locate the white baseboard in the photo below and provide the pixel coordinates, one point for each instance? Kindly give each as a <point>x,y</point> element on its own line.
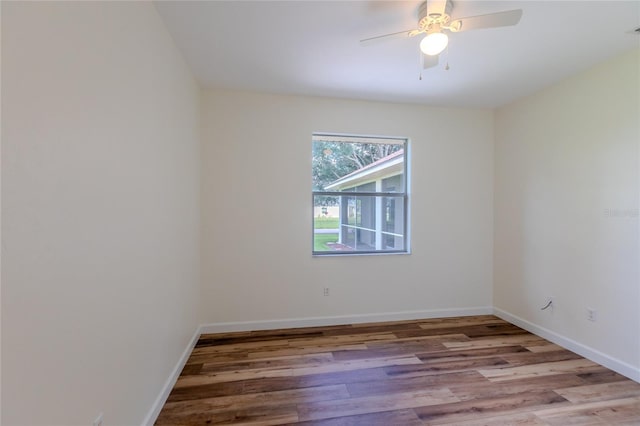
<point>225,327</point>
<point>594,355</point>
<point>153,413</point>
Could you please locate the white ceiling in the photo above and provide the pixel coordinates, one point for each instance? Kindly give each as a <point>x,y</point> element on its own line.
<point>312,47</point>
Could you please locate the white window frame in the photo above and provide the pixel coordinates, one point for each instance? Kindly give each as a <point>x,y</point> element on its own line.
<point>378,195</point>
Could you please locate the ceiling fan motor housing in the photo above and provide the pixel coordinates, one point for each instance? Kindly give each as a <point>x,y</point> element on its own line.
<point>427,18</point>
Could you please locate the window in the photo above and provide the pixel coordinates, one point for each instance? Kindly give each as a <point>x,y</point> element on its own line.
<point>360,201</point>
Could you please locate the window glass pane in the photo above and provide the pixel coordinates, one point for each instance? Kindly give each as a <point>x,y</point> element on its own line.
<point>393,184</point>
<point>393,223</point>
<point>363,223</point>
<point>326,223</point>
<point>340,166</point>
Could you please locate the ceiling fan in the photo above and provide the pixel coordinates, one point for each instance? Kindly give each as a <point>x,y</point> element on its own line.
<point>434,20</point>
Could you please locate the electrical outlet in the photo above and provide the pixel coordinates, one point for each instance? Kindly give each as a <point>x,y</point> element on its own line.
<point>326,291</point>
<point>98,421</point>
<point>592,314</point>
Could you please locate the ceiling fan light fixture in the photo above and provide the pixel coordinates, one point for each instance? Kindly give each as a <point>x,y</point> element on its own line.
<point>434,43</point>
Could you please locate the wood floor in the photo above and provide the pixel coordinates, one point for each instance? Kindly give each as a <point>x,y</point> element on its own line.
<point>477,371</point>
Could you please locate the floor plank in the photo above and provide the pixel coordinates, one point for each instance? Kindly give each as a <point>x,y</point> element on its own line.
<point>611,412</point>
<point>374,404</point>
<point>600,392</point>
<point>536,370</point>
<point>387,418</point>
<point>472,371</point>
<point>488,407</point>
<point>262,399</point>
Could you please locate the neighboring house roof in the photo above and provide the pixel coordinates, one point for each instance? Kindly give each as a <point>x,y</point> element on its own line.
<point>391,165</point>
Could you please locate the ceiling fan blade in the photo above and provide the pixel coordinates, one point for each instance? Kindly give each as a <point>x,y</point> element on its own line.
<point>429,61</point>
<point>492,20</point>
<point>400,34</point>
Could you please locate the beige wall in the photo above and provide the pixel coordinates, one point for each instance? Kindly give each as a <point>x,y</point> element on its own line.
<point>100,213</point>
<point>566,208</point>
<point>257,262</point>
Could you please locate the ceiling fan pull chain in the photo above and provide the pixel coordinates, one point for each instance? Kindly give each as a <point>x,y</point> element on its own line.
<point>446,68</point>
